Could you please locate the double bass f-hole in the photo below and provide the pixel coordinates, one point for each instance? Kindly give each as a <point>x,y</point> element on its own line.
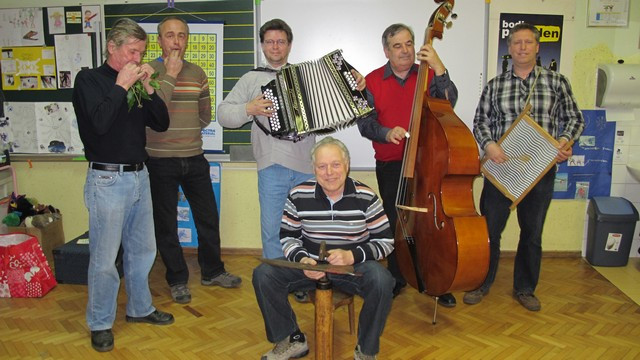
<point>438,224</point>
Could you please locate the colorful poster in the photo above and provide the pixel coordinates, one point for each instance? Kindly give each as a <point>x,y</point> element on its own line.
<point>205,50</point>
<point>550,27</point>
<point>56,20</point>
<point>73,53</point>
<point>21,27</point>
<point>587,173</point>
<point>28,68</point>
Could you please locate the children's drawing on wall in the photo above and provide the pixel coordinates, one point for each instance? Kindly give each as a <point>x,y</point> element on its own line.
<point>21,27</point>
<point>73,53</point>
<point>56,20</point>
<point>90,18</point>
<point>20,130</point>
<point>65,79</point>
<point>42,127</point>
<point>54,124</point>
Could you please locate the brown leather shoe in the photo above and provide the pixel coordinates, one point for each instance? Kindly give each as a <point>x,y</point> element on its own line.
<point>529,301</point>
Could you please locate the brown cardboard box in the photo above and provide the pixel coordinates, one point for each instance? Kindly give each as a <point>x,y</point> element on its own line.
<point>49,237</point>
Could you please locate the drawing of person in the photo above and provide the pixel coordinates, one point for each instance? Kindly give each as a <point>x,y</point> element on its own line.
<point>87,19</point>
<point>57,19</point>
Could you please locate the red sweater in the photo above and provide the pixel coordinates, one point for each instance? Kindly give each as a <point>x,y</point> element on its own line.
<point>393,103</point>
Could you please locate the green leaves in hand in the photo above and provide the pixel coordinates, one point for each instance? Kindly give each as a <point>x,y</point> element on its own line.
<point>137,93</point>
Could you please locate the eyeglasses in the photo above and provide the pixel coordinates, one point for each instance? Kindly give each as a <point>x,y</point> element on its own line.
<point>280,42</point>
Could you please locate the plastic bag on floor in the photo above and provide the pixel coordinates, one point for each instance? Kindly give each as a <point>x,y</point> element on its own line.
<point>24,270</point>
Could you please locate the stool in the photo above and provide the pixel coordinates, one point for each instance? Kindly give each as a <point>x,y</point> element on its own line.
<point>339,298</point>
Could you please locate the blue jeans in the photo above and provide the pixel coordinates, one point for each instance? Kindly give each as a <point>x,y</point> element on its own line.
<point>532,211</point>
<point>274,184</point>
<point>119,205</point>
<point>166,174</point>
<point>273,284</point>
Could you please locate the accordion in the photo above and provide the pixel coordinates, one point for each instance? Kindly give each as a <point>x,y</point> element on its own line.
<point>318,96</point>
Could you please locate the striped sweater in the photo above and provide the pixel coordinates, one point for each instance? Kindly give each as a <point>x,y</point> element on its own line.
<point>356,222</point>
<point>189,104</point>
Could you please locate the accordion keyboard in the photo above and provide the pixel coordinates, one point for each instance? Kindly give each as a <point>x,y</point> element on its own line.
<point>274,119</point>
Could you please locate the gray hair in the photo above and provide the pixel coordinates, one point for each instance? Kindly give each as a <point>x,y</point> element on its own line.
<point>122,30</point>
<point>524,26</point>
<point>392,30</point>
<point>169,18</point>
<point>330,141</point>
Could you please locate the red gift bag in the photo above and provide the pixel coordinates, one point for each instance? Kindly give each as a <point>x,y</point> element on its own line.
<point>24,270</point>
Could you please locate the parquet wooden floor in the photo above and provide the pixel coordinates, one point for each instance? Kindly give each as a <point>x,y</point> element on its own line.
<point>583,316</point>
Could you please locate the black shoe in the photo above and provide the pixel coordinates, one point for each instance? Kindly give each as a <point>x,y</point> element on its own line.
<point>156,318</point>
<point>400,284</point>
<point>302,297</point>
<point>447,300</point>
<point>102,340</point>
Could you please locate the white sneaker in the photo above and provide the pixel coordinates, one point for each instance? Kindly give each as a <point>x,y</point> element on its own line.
<point>358,355</point>
<point>293,347</point>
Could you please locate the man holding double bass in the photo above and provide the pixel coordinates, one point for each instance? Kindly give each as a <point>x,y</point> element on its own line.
<point>390,91</point>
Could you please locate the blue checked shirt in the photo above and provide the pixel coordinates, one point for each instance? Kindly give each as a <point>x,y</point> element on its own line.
<point>552,105</point>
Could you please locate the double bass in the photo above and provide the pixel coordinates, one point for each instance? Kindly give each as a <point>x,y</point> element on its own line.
<point>442,243</point>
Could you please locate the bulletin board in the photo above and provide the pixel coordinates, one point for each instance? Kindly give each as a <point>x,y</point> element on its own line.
<point>37,88</point>
<point>55,94</point>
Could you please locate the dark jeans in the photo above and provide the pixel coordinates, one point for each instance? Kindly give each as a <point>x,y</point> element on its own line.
<point>273,284</point>
<point>192,174</point>
<point>532,211</point>
<point>388,176</point>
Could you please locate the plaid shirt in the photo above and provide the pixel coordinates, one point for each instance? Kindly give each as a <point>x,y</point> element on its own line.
<point>552,105</point>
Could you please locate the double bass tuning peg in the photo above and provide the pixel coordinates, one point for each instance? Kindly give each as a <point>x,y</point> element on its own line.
<point>448,24</point>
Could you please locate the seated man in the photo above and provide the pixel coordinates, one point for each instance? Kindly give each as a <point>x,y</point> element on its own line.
<point>349,217</point>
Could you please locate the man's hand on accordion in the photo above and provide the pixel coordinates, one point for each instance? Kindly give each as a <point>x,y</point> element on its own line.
<point>361,83</point>
<point>260,107</point>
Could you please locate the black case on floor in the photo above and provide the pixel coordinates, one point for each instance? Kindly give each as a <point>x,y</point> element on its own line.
<point>72,261</point>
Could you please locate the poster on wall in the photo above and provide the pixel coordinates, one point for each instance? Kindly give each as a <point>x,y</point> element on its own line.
<point>91,18</point>
<point>41,127</point>
<point>21,27</point>
<point>550,27</point>
<point>205,50</point>
<point>28,68</point>
<point>56,20</point>
<point>73,53</point>
<point>187,233</point>
<point>587,173</point>
<point>608,12</point>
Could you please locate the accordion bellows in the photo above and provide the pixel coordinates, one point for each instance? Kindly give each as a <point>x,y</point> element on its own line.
<point>318,96</point>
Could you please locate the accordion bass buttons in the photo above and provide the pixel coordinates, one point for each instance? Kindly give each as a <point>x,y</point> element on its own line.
<point>350,80</point>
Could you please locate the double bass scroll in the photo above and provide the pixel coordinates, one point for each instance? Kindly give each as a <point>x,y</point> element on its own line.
<point>442,243</point>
